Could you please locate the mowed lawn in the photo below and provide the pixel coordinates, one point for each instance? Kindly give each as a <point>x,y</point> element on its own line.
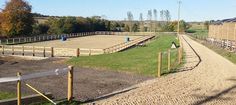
<point>6,95</point>
<point>140,60</point>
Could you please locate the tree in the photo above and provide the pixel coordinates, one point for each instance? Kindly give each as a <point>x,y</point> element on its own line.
<point>155,19</point>
<point>16,18</point>
<point>167,15</point>
<point>135,27</point>
<point>206,24</point>
<point>150,20</point>
<point>39,29</point>
<point>130,20</point>
<point>141,25</point>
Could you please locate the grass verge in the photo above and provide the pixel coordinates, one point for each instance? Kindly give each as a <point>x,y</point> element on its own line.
<point>6,95</point>
<point>231,56</point>
<point>140,60</point>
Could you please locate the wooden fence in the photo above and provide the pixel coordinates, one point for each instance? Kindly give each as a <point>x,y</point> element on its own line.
<point>124,33</point>
<point>27,50</point>
<point>125,45</point>
<point>227,31</point>
<point>8,47</point>
<point>21,80</point>
<point>12,41</point>
<point>223,35</point>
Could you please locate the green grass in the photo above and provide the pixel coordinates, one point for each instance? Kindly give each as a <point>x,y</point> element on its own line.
<point>139,60</point>
<point>7,95</point>
<point>231,56</point>
<point>228,55</point>
<point>199,33</point>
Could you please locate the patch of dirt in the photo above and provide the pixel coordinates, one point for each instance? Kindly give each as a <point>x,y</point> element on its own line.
<point>88,83</point>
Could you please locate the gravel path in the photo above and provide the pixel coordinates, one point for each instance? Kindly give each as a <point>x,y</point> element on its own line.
<point>211,82</point>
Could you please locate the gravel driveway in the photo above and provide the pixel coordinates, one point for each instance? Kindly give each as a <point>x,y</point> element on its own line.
<point>210,79</point>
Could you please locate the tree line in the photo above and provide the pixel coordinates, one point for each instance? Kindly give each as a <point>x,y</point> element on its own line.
<point>152,24</point>
<point>16,19</point>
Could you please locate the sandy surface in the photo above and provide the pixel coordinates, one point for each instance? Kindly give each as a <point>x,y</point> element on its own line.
<point>93,42</point>
<point>212,82</point>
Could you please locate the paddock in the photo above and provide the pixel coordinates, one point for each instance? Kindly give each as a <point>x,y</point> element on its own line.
<point>88,42</point>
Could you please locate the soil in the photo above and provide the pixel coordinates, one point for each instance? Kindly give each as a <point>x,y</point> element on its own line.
<point>88,83</point>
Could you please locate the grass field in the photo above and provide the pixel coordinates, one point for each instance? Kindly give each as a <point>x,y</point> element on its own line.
<point>6,95</point>
<point>140,60</point>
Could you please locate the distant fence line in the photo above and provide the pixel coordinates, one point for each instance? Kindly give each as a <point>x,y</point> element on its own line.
<point>42,38</point>
<point>21,40</point>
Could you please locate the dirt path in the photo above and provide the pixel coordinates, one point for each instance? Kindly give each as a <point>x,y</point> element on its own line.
<point>212,82</point>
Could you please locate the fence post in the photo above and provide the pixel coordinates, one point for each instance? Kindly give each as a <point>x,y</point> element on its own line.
<point>2,49</point>
<point>13,50</point>
<point>23,50</point>
<point>70,83</point>
<point>179,55</point>
<point>90,52</point>
<point>33,51</point>
<point>44,52</point>
<point>13,41</point>
<point>78,52</point>
<point>159,65</point>
<point>7,41</point>
<point>19,89</point>
<point>52,52</point>
<point>169,59</point>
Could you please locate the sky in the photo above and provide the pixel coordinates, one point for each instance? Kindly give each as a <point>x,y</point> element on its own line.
<point>191,10</point>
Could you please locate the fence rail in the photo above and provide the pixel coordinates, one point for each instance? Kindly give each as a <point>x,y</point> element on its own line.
<point>9,47</point>
<point>125,45</point>
<point>26,50</point>
<point>12,41</point>
<point>19,78</point>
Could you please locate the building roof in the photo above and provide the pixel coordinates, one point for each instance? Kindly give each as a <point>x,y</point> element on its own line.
<point>219,22</point>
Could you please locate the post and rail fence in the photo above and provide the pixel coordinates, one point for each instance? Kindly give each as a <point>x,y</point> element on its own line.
<point>9,47</point>
<point>20,78</point>
<point>22,40</point>
<point>165,61</point>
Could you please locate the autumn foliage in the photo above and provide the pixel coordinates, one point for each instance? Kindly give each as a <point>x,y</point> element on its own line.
<point>16,18</point>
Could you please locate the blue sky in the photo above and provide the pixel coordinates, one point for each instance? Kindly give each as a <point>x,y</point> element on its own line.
<point>192,10</point>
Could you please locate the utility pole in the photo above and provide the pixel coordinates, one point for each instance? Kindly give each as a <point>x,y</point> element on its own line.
<point>179,2</point>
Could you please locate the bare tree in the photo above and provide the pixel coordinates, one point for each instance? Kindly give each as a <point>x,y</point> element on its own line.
<point>141,26</point>
<point>130,20</point>
<point>155,19</point>
<point>167,15</point>
<point>162,18</point>
<point>150,20</point>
